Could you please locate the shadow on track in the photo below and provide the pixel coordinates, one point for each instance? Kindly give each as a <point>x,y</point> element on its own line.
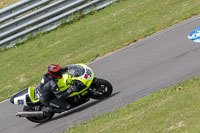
<point>78,109</point>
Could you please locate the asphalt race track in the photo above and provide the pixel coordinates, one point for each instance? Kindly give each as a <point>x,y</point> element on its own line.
<point>149,65</point>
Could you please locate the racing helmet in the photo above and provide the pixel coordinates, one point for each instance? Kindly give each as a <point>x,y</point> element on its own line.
<point>55,71</point>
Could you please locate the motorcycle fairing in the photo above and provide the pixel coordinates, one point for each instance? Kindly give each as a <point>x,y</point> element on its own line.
<point>86,78</point>
<point>25,97</point>
<point>20,97</point>
<point>33,96</point>
<point>79,72</point>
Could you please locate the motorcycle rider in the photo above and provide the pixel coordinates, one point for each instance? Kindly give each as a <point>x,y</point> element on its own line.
<point>50,94</point>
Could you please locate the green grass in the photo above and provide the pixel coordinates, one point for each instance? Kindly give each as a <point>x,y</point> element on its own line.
<point>172,110</point>
<point>5,3</point>
<point>83,41</point>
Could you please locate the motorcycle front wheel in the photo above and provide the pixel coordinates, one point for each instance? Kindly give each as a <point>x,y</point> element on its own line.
<point>100,89</point>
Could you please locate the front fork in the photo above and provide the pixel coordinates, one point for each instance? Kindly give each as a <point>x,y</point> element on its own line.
<point>92,88</point>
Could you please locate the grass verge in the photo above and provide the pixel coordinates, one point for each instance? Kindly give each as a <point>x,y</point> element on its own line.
<point>83,41</point>
<point>5,3</point>
<point>173,110</point>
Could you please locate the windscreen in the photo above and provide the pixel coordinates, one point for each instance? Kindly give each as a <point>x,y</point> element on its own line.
<point>75,70</point>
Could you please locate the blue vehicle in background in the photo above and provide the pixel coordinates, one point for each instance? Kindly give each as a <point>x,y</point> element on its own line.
<point>195,35</point>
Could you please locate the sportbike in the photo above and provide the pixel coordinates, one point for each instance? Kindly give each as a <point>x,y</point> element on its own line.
<point>92,87</point>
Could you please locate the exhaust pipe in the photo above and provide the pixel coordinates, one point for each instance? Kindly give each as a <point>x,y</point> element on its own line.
<point>30,114</point>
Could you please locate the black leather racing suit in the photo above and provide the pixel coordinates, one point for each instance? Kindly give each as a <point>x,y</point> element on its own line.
<point>50,94</point>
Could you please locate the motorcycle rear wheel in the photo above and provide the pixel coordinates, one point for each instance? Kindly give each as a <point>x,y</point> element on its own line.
<point>42,119</point>
<point>100,89</point>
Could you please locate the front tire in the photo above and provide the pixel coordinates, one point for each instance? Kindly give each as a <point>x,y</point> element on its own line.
<point>100,89</point>
<point>42,119</point>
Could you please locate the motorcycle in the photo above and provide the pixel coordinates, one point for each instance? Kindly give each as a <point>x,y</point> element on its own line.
<point>95,88</point>
<point>195,35</point>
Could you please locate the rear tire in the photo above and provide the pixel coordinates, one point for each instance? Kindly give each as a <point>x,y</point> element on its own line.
<point>42,119</point>
<point>102,87</point>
